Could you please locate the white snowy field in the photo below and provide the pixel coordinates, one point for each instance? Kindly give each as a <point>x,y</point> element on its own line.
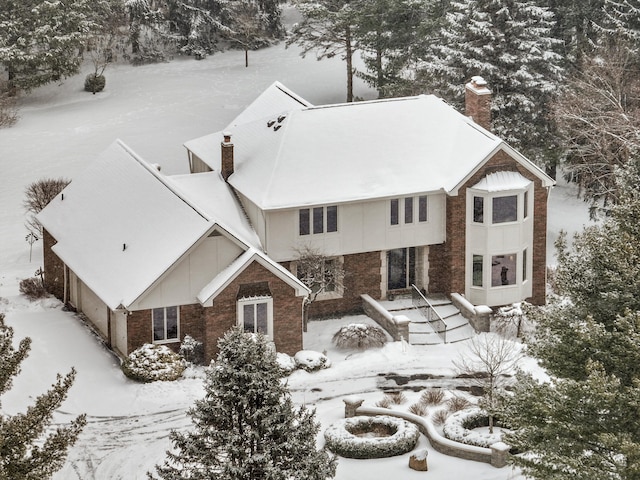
<point>155,109</point>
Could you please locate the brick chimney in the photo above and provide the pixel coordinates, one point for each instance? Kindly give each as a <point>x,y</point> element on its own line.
<point>477,100</point>
<point>226,164</point>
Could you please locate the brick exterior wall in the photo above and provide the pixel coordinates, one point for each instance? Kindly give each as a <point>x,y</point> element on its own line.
<point>447,261</point>
<point>362,275</point>
<point>53,267</point>
<point>208,324</point>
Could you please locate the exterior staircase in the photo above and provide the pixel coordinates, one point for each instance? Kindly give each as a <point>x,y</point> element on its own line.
<point>444,324</point>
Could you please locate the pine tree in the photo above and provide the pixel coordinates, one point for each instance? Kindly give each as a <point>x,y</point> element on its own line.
<point>40,42</point>
<point>509,43</point>
<point>387,32</point>
<point>246,427</point>
<point>327,27</point>
<point>585,422</point>
<point>29,449</point>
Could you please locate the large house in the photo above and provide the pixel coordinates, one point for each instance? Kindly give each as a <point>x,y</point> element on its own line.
<point>400,192</point>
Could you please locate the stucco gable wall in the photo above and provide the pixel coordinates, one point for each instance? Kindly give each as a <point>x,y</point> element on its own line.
<point>191,274</point>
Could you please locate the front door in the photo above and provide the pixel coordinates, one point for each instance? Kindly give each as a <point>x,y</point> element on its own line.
<point>401,268</point>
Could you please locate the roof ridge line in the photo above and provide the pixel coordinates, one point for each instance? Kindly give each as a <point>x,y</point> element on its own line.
<point>171,186</point>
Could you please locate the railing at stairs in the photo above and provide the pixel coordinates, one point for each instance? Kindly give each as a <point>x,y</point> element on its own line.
<point>427,310</point>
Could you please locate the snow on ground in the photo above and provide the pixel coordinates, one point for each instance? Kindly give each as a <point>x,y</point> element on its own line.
<point>154,109</point>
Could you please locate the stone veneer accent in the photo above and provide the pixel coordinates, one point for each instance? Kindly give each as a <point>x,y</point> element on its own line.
<point>208,324</point>
<point>452,253</point>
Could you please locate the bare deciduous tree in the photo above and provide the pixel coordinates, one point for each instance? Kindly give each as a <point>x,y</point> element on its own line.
<point>599,117</point>
<point>319,272</point>
<point>489,361</point>
<point>37,196</point>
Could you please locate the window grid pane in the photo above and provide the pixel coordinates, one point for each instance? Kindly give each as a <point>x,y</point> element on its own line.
<point>422,208</point>
<point>262,318</point>
<point>505,209</point>
<point>408,210</point>
<point>394,211</point>
<point>526,205</point>
<point>477,270</point>
<point>248,312</point>
<point>478,209</point>
<point>503,270</point>
<point>524,264</point>
<point>304,221</point>
<point>332,219</point>
<point>172,322</point>
<point>318,220</point>
<point>158,324</point>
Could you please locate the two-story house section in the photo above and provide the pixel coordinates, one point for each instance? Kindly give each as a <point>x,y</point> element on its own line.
<point>401,191</point>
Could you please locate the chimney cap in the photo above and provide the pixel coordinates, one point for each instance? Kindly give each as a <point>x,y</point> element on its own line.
<point>479,85</point>
<point>227,136</point>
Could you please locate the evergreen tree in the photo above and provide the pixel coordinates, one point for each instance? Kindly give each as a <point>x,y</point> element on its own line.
<point>246,427</point>
<point>28,449</point>
<point>40,41</point>
<point>327,27</point>
<point>622,21</point>
<point>585,422</point>
<point>509,43</point>
<point>387,32</point>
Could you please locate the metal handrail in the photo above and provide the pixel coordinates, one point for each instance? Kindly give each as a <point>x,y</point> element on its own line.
<point>427,310</point>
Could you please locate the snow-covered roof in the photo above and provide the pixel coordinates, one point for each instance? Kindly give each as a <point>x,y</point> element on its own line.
<point>212,195</point>
<point>121,225</point>
<point>352,152</point>
<point>501,181</point>
<point>275,99</point>
<point>222,280</point>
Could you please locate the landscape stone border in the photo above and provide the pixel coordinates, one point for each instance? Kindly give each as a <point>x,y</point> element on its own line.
<point>340,440</point>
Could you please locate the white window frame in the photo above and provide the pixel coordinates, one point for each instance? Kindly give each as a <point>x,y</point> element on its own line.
<point>325,220</point>
<point>401,203</point>
<point>242,302</point>
<point>165,339</point>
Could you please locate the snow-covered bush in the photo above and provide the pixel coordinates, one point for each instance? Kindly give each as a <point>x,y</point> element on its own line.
<point>359,335</point>
<point>311,361</point>
<point>419,409</point>
<point>94,83</point>
<point>32,288</point>
<point>459,427</point>
<point>371,437</point>
<point>192,350</point>
<point>150,363</point>
<point>286,362</point>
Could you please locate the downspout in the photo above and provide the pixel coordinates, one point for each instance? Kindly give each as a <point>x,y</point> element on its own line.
<point>65,289</point>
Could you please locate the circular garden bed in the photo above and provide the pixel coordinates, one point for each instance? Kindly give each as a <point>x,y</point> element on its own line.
<point>460,428</point>
<point>371,437</point>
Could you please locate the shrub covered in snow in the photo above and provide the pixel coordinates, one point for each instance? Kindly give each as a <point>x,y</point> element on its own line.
<point>286,362</point>
<point>459,427</point>
<point>456,403</point>
<point>150,363</point>
<point>432,396</point>
<point>359,335</point>
<point>192,350</point>
<point>371,437</point>
<point>33,288</point>
<point>311,361</point>
<point>94,83</point>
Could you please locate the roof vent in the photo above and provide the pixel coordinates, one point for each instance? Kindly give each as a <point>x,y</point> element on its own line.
<point>281,118</point>
<point>277,127</point>
<point>270,123</point>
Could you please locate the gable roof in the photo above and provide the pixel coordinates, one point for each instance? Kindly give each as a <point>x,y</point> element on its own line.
<point>354,151</point>
<point>121,225</point>
<point>218,284</point>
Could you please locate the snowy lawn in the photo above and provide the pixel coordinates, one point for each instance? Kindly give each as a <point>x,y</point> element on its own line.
<point>154,109</point>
